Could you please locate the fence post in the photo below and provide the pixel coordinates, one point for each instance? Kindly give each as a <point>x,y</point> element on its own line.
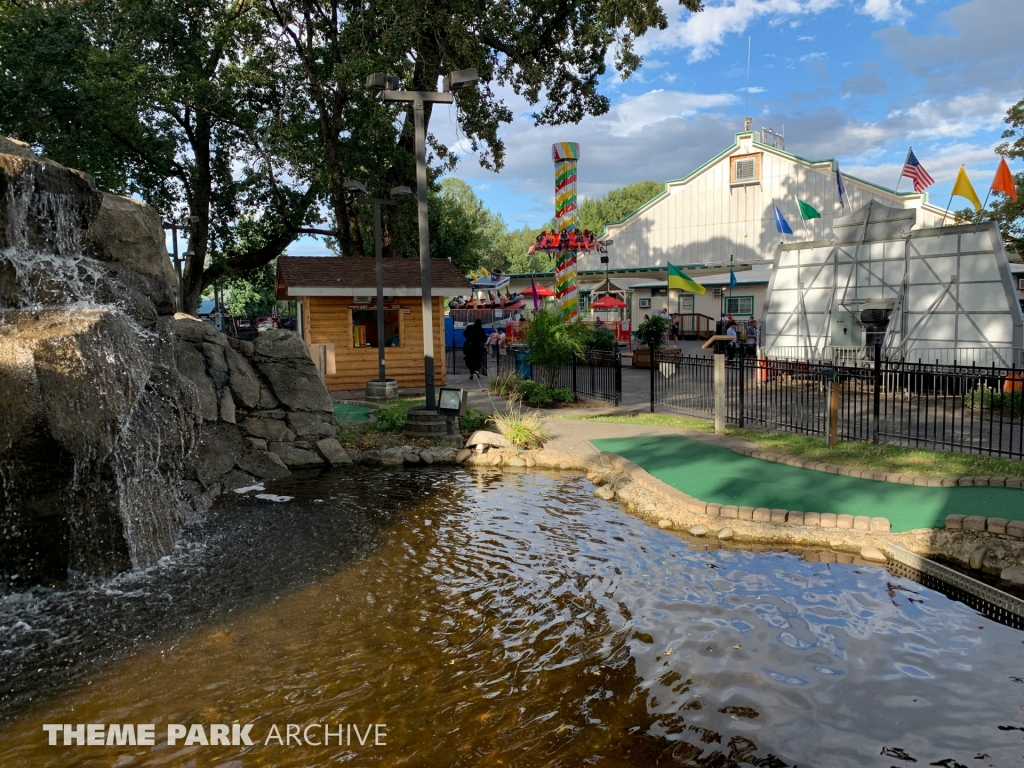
<point>833,412</point>
<point>650,358</point>
<point>877,404</point>
<point>719,392</point>
<point>575,389</point>
<point>742,374</point>
<point>618,378</point>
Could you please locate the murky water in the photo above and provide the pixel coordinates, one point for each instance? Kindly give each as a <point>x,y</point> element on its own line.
<point>488,620</point>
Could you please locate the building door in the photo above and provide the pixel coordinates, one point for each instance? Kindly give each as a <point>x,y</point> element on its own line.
<point>686,303</point>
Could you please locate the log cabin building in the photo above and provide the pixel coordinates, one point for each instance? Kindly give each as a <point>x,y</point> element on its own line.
<point>337,304</point>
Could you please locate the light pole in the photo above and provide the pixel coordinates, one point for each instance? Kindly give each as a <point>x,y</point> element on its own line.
<point>376,202</point>
<point>463,78</point>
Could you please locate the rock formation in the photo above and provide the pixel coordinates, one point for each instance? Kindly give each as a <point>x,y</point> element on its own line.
<point>118,420</point>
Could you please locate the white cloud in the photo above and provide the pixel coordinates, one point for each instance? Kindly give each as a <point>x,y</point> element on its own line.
<point>702,33</point>
<point>885,10</point>
<point>815,56</point>
<point>805,37</point>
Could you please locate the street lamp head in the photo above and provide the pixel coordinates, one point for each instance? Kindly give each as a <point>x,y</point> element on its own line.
<point>607,242</point>
<point>459,79</point>
<point>378,81</point>
<point>353,185</point>
<point>403,190</point>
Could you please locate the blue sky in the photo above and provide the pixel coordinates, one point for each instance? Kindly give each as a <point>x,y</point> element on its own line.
<point>859,80</point>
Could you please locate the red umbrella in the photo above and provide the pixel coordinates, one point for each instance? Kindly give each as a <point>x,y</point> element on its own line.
<point>608,302</point>
<point>541,291</point>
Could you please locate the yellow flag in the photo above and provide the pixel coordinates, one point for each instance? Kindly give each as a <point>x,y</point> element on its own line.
<point>965,189</point>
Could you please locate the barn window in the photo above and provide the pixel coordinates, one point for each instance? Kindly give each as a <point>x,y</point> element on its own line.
<point>364,328</point>
<point>746,169</point>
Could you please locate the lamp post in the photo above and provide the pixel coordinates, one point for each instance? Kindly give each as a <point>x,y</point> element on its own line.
<point>376,202</point>
<point>463,78</point>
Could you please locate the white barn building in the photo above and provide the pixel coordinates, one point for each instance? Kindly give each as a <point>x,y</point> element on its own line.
<point>724,208</point>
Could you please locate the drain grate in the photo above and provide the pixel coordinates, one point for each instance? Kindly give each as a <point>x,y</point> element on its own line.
<point>986,600</point>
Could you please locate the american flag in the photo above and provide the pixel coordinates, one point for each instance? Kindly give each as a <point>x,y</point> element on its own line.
<point>914,171</point>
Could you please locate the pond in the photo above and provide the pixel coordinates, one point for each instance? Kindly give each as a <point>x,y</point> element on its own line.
<point>483,619</point>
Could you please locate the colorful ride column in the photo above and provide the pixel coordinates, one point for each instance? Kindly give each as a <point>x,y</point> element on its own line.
<point>565,154</point>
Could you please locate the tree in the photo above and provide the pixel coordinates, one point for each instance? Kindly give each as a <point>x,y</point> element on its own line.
<point>253,292</point>
<point>595,215</point>
<point>157,98</point>
<point>1004,210</point>
<point>551,52</point>
<point>651,333</point>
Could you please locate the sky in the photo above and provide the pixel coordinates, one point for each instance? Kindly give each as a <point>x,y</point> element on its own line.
<point>856,80</point>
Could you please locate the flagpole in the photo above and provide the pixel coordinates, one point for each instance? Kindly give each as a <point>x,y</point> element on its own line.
<point>982,211</point>
<point>896,191</point>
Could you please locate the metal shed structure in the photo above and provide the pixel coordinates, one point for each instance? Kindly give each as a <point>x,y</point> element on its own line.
<point>937,295</point>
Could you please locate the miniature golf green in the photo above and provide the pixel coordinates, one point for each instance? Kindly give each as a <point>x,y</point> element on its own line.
<point>720,476</point>
<point>351,413</point>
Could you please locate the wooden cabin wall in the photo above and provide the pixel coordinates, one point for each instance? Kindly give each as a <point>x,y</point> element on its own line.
<point>328,320</point>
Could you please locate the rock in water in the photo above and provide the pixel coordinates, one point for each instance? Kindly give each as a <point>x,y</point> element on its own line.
<point>873,554</point>
<point>977,558</point>
<point>1014,574</point>
<point>117,419</point>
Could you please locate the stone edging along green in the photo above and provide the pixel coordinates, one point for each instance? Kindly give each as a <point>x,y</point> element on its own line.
<point>997,525</point>
<point>646,496</point>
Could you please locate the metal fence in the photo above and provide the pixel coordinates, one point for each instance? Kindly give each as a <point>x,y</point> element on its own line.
<point>456,362</point>
<point>962,409</point>
<point>596,376</point>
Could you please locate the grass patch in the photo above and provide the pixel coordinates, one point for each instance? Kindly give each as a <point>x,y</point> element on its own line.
<point>879,458</point>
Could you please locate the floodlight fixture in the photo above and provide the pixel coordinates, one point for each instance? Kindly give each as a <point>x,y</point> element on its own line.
<point>378,81</point>
<point>402,190</point>
<point>452,401</point>
<point>354,185</point>
<point>459,79</point>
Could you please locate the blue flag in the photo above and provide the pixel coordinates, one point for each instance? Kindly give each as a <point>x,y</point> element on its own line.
<point>840,188</point>
<point>732,275</point>
<point>780,222</point>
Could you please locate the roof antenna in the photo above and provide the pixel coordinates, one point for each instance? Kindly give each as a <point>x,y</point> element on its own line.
<point>746,109</point>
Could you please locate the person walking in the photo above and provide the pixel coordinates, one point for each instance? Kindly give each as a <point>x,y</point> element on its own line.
<point>473,348</point>
<point>493,341</point>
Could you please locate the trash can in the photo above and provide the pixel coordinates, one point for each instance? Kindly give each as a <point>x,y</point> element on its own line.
<point>523,363</point>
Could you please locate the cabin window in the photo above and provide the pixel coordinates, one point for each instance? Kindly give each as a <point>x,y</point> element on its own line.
<point>364,328</point>
<point>738,305</point>
<point>745,169</point>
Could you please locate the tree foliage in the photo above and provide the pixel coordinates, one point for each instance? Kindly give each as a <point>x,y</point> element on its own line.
<point>596,214</point>
<point>1002,208</point>
<point>553,342</point>
<point>157,98</point>
<point>651,332</point>
<point>223,111</point>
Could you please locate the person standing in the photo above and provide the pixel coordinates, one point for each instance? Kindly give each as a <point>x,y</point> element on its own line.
<point>493,341</point>
<point>753,337</point>
<point>730,331</point>
<point>473,348</point>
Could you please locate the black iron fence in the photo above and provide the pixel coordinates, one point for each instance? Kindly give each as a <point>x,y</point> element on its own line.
<point>965,409</point>
<point>456,362</point>
<point>596,376</point>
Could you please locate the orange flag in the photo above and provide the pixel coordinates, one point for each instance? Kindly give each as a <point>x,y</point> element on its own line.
<point>1004,181</point>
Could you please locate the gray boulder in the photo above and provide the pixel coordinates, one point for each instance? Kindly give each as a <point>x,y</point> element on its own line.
<point>279,343</point>
<point>268,429</point>
<point>262,464</point>
<point>489,439</point>
<point>192,366</point>
<point>296,383</point>
<point>313,425</point>
<point>332,452</point>
<point>296,458</point>
<point>243,381</point>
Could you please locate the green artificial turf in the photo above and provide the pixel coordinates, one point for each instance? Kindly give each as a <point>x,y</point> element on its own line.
<point>351,413</point>
<point>720,476</point>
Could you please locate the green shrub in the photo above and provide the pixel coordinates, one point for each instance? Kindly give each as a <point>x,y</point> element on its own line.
<point>534,393</point>
<point>390,419</point>
<point>523,430</point>
<point>553,341</point>
<point>651,332</point>
<point>987,397</point>
<point>601,339</point>
<point>471,421</point>
<point>562,395</point>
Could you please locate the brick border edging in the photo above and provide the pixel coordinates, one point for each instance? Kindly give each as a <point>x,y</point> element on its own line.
<point>997,481</point>
<point>978,523</point>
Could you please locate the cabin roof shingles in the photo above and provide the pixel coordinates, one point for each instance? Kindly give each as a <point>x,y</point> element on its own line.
<point>360,272</point>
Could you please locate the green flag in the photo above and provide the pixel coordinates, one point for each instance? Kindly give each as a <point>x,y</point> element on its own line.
<point>680,280</point>
<point>807,211</point>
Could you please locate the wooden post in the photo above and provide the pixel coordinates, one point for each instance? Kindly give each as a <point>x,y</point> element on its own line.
<point>719,393</point>
<point>833,413</point>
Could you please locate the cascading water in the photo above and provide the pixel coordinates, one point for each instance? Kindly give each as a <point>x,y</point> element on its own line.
<point>98,425</point>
